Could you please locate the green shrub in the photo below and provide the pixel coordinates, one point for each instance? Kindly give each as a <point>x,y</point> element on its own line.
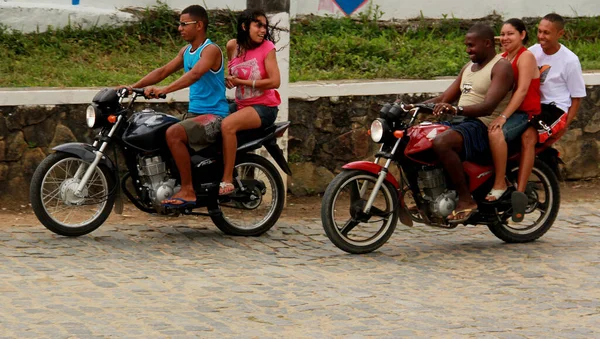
<point>322,48</point>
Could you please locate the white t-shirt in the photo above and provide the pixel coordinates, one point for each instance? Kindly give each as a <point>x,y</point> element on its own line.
<point>560,76</point>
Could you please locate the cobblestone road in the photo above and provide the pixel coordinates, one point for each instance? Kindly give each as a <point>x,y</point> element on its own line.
<point>151,278</point>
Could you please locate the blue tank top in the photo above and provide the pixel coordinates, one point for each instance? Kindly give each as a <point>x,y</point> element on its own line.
<point>207,95</point>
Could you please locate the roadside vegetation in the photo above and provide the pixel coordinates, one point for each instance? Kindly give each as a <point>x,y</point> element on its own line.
<point>322,48</point>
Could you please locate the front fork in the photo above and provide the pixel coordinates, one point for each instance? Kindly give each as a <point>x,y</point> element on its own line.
<point>382,175</point>
<point>99,154</point>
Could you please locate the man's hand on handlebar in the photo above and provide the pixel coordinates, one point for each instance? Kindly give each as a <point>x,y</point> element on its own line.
<point>153,92</point>
<point>444,108</point>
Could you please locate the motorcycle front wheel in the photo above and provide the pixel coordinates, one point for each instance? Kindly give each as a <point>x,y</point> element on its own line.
<point>53,198</point>
<point>342,215</point>
<point>256,206</point>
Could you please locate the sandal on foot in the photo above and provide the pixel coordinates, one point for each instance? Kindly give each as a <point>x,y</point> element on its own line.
<point>226,188</point>
<point>467,213</point>
<point>184,203</point>
<point>519,204</point>
<point>496,194</point>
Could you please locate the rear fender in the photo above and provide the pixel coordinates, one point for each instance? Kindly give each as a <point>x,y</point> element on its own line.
<point>277,155</point>
<point>551,157</point>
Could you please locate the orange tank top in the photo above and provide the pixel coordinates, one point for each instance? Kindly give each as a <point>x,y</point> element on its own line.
<point>531,103</point>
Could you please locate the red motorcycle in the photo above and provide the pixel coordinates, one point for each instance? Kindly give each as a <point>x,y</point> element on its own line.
<point>361,206</point>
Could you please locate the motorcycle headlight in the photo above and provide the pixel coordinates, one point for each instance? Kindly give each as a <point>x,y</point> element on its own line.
<point>90,116</point>
<point>378,129</point>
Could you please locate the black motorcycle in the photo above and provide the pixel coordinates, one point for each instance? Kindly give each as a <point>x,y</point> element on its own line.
<point>73,190</point>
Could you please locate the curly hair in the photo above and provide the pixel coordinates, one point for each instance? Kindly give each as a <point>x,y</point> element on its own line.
<point>244,20</point>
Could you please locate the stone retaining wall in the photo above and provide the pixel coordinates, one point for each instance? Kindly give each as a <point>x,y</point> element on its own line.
<point>325,134</point>
<point>329,132</point>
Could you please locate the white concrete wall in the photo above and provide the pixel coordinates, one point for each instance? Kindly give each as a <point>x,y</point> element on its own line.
<point>26,15</point>
<point>31,15</point>
<point>297,90</point>
<point>465,9</point>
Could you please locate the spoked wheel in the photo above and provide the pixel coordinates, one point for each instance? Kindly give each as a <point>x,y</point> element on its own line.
<point>543,204</point>
<point>344,221</point>
<point>256,206</point>
<point>53,198</point>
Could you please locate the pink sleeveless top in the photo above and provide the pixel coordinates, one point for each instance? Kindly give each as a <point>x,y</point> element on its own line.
<point>251,66</point>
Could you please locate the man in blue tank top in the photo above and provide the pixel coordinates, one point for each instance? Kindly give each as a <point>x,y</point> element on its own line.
<point>203,66</point>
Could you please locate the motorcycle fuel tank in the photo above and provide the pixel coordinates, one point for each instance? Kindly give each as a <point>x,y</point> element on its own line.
<point>146,130</point>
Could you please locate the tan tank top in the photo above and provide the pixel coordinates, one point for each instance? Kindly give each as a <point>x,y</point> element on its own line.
<point>474,87</point>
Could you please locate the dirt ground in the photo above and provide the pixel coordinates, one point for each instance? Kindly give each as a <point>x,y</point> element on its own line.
<point>297,207</point>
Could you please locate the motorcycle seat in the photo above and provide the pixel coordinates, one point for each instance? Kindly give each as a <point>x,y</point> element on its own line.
<point>243,137</point>
<point>253,134</point>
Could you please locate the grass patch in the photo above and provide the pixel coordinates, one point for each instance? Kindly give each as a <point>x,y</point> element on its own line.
<point>322,48</point>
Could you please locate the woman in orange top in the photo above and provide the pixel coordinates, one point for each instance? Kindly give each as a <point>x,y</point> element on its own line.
<point>524,103</point>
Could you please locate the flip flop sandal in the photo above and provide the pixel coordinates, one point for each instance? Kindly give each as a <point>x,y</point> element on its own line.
<point>496,193</point>
<point>468,212</point>
<point>226,188</point>
<point>519,204</point>
<point>184,203</point>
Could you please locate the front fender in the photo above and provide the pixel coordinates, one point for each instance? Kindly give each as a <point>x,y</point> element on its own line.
<point>371,167</point>
<point>86,153</point>
<point>375,169</point>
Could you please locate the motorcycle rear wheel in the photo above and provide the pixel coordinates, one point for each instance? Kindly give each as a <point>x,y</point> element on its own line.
<point>253,218</point>
<point>55,204</point>
<point>544,202</point>
<point>341,212</point>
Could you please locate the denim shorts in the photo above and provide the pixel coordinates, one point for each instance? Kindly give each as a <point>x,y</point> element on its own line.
<point>267,114</point>
<point>476,145</point>
<point>514,126</point>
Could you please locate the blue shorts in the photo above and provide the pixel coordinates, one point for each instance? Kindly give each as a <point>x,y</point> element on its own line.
<point>514,126</point>
<point>476,145</point>
<point>267,114</point>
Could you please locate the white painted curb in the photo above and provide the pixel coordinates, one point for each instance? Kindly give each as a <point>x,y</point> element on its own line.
<point>298,90</point>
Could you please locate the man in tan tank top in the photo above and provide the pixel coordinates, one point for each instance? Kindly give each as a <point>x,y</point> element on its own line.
<point>483,90</point>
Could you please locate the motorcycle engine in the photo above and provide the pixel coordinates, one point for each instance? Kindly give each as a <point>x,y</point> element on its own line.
<point>433,184</point>
<point>152,172</point>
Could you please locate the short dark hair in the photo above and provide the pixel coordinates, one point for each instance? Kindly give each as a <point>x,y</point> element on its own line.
<point>519,25</point>
<point>483,31</point>
<point>197,12</point>
<point>556,19</point>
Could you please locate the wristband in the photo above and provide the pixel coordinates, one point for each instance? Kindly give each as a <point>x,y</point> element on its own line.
<point>504,116</point>
<point>253,83</point>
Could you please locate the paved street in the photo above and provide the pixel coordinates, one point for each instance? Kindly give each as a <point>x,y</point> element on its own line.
<point>150,277</point>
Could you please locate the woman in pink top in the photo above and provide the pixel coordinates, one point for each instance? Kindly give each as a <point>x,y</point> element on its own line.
<point>254,72</point>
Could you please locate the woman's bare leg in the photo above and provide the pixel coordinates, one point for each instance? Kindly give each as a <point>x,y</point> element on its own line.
<point>246,118</point>
<point>499,155</point>
<point>528,140</point>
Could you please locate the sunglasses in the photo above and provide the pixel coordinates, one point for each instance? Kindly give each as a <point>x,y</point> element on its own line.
<point>185,23</point>
<point>259,24</point>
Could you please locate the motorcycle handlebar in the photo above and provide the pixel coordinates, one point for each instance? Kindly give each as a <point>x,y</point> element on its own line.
<point>140,91</point>
<point>425,107</point>
<point>124,93</point>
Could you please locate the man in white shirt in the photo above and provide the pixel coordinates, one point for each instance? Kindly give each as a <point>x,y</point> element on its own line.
<point>561,79</point>
<point>562,88</point>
